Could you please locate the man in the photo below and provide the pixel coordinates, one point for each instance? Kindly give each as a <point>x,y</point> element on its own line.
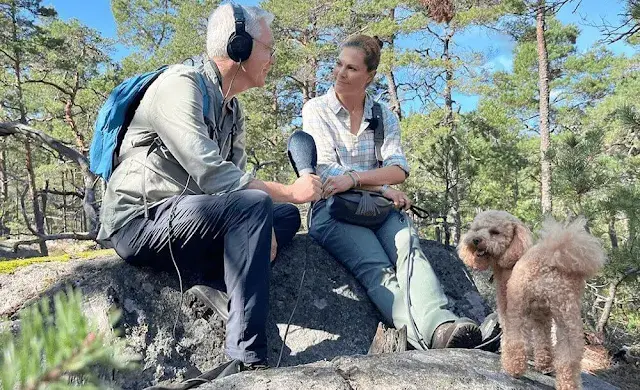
<point>181,203</point>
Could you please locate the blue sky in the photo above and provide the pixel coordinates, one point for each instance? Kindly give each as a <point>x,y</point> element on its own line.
<point>497,48</point>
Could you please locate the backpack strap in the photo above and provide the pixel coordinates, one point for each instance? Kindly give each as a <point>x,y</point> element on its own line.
<point>378,131</point>
<point>205,95</point>
<point>157,142</point>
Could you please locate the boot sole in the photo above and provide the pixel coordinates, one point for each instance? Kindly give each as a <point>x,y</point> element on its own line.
<point>214,300</point>
<point>465,335</point>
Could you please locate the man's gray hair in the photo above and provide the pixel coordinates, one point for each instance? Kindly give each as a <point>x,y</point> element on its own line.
<point>222,24</point>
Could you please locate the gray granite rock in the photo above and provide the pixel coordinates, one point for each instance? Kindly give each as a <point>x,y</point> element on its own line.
<point>434,369</point>
<point>333,318</point>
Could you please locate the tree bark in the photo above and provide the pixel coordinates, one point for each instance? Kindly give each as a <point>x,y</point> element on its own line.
<point>543,86</point>
<point>35,198</point>
<point>613,235</point>
<point>454,152</point>
<point>3,175</point>
<point>309,77</point>
<point>391,81</point>
<point>388,340</point>
<point>17,68</point>
<point>393,94</point>
<point>4,192</point>
<point>64,203</point>
<point>44,198</point>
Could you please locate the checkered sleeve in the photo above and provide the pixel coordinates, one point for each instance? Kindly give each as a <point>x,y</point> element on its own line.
<point>392,153</point>
<point>313,123</point>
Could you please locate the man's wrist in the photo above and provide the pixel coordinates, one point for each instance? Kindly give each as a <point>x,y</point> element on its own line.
<point>384,188</point>
<point>289,193</point>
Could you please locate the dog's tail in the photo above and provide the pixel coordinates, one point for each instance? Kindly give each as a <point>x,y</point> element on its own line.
<point>571,249</point>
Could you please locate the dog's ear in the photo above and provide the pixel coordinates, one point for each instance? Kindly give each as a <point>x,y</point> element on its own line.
<point>520,243</point>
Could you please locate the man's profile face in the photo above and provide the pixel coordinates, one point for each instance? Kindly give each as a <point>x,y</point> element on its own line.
<point>259,63</point>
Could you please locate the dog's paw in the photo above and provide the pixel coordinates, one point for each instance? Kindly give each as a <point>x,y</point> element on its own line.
<point>544,365</point>
<point>514,364</point>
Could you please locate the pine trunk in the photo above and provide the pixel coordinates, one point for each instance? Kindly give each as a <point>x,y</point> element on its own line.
<point>3,175</point>
<point>64,203</point>
<point>454,152</point>
<point>35,199</point>
<point>543,85</point>
<point>391,81</point>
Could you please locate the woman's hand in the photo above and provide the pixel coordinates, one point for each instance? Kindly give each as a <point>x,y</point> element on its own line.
<point>399,198</point>
<point>336,184</point>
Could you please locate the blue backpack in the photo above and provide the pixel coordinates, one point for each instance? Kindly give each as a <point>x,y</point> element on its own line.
<point>115,116</point>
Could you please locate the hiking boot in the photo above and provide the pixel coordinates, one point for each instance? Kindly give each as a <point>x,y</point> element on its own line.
<point>225,369</point>
<point>461,333</point>
<point>216,300</point>
<point>232,367</point>
<point>491,333</point>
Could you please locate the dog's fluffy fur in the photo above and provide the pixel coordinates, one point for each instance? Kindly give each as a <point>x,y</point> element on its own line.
<point>536,284</point>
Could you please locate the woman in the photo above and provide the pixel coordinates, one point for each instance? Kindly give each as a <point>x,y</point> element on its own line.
<point>338,122</point>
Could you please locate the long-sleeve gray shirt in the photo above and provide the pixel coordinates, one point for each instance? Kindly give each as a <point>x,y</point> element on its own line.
<point>172,110</point>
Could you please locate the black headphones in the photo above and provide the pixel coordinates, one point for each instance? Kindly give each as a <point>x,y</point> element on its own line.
<point>240,42</point>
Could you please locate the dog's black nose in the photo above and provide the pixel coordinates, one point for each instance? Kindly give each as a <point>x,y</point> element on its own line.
<point>477,241</point>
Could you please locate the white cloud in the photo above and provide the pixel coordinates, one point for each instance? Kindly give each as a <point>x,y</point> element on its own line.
<point>502,62</point>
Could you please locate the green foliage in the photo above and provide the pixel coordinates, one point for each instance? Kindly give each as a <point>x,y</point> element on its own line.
<point>581,167</point>
<point>161,31</point>
<point>58,347</point>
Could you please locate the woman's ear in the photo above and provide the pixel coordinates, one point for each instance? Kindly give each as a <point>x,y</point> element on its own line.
<point>372,75</point>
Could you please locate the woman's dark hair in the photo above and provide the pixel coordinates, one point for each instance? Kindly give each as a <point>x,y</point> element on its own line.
<point>370,46</point>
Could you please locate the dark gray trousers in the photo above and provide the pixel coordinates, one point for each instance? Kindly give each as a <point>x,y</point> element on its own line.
<point>206,229</point>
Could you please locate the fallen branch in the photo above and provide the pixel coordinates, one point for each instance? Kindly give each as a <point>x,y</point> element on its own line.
<point>608,307</point>
<point>12,128</point>
<point>63,193</point>
<point>53,237</point>
<point>89,179</point>
<point>46,237</point>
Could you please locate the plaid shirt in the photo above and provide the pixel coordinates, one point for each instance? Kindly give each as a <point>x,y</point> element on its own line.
<point>339,151</point>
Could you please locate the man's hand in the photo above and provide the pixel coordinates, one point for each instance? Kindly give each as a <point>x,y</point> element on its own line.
<point>274,245</point>
<point>336,184</point>
<point>399,198</point>
<point>306,188</point>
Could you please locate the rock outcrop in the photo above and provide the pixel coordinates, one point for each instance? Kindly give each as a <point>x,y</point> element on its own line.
<point>333,319</point>
<point>433,370</point>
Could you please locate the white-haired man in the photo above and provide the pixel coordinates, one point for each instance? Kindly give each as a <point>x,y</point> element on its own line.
<point>186,201</point>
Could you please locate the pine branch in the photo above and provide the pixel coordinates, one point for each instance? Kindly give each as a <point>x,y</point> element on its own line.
<point>56,343</point>
<point>629,117</point>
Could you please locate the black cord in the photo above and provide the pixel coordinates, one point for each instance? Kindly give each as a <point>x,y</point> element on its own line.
<point>295,306</point>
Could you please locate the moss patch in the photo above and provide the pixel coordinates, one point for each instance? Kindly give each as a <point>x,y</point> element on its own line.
<point>9,266</point>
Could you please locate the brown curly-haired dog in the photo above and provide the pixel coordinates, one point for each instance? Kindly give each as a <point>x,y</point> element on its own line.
<point>536,284</point>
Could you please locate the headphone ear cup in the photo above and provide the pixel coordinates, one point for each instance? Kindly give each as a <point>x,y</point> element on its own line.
<point>239,46</point>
